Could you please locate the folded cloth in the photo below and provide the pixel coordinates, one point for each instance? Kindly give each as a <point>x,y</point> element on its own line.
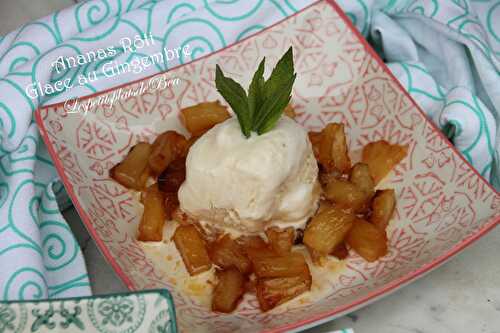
<point>39,256</point>
<point>446,54</point>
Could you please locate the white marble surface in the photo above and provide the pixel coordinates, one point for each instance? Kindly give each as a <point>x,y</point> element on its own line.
<point>461,296</point>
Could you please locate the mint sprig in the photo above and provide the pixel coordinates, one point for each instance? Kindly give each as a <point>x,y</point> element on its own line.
<point>260,110</point>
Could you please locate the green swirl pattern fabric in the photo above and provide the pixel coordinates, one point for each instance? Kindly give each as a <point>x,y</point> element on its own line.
<point>445,52</point>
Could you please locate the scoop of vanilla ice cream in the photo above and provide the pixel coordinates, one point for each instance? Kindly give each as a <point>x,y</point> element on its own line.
<point>244,185</point>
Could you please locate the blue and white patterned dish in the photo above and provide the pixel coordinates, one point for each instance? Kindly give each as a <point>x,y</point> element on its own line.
<point>149,311</point>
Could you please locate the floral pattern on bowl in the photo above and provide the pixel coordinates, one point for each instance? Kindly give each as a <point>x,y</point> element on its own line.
<point>149,311</point>
<point>443,204</point>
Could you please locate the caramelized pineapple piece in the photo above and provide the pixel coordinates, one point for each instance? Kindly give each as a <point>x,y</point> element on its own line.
<point>281,241</point>
<point>381,157</point>
<point>252,243</point>
<point>154,216</point>
<point>383,206</point>
<point>273,292</point>
<point>360,176</point>
<point>316,257</point>
<point>171,179</point>
<point>133,171</point>
<point>333,154</point>
<point>324,205</point>
<point>315,139</point>
<point>167,147</point>
<point>251,284</point>
<point>201,117</point>
<point>367,240</point>
<point>268,264</point>
<point>327,230</point>
<point>347,195</point>
<point>326,177</point>
<point>228,291</point>
<point>340,252</point>
<point>191,247</point>
<point>226,253</point>
<point>171,204</point>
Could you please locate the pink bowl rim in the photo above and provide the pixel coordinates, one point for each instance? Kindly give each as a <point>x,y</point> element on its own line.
<point>324,316</point>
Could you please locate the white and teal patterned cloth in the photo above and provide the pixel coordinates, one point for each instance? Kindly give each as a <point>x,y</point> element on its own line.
<point>446,53</point>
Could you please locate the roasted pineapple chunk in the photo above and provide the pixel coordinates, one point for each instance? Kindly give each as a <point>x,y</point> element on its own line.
<point>383,206</point>
<point>171,204</point>
<point>154,216</point>
<point>340,252</point>
<point>327,230</point>
<point>268,264</point>
<point>347,195</point>
<point>167,147</point>
<point>252,243</point>
<point>324,205</point>
<point>191,246</point>
<point>326,177</point>
<point>360,176</point>
<point>203,116</point>
<point>226,253</point>
<point>171,179</point>
<point>250,284</point>
<point>281,241</point>
<point>315,139</point>
<point>367,240</point>
<point>381,157</point>
<point>275,291</point>
<point>133,171</point>
<point>229,290</point>
<point>316,257</point>
<point>333,154</point>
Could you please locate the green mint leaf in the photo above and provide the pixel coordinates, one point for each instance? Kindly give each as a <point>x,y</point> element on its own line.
<point>266,100</point>
<point>282,72</point>
<point>274,107</point>
<point>256,92</point>
<point>280,84</point>
<point>236,96</point>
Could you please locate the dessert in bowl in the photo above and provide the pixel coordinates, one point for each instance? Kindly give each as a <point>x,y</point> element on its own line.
<point>245,192</point>
<point>442,203</point>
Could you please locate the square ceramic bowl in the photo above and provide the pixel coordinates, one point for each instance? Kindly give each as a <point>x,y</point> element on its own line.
<point>443,204</point>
